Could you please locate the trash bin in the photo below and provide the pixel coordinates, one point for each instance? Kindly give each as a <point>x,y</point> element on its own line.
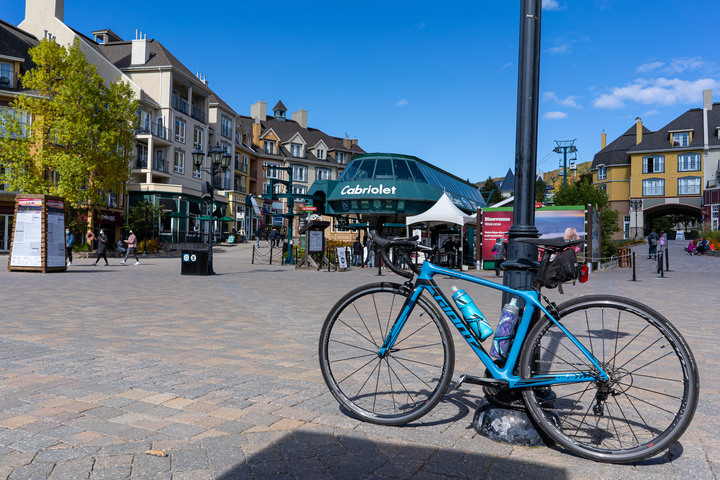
<point>194,262</point>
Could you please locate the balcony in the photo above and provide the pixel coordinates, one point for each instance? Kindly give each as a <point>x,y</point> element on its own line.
<point>141,161</point>
<point>197,114</point>
<point>180,104</point>
<point>161,165</point>
<point>155,129</point>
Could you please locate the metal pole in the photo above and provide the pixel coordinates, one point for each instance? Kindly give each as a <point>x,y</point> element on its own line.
<point>667,257</point>
<point>634,279</point>
<point>253,256</point>
<point>210,216</point>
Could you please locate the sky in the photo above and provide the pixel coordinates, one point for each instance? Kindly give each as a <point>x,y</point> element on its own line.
<point>431,79</point>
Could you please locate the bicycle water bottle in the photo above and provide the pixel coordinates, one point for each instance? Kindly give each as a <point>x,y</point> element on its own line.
<point>472,313</point>
<point>504,332</point>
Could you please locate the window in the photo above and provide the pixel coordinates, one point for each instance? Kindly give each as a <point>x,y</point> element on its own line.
<point>653,164</point>
<point>296,150</point>
<point>602,173</point>
<point>198,134</point>
<point>271,172</point>
<point>7,75</point>
<point>111,200</point>
<point>689,186</point>
<point>299,189</point>
<point>603,188</point>
<point>383,170</point>
<point>179,162</point>
<point>159,160</point>
<point>681,139</point>
<point>266,188</point>
<point>269,146</point>
<point>340,158</point>
<point>196,173</point>
<point>145,122</point>
<point>322,174</point>
<point>653,187</point>
<point>689,162</point>
<point>161,127</point>
<point>299,173</point>
<point>320,154</point>
<point>24,120</point>
<point>714,215</point>
<point>402,172</point>
<point>179,131</point>
<point>244,165</point>
<point>226,127</point>
<point>142,156</point>
<point>626,226</point>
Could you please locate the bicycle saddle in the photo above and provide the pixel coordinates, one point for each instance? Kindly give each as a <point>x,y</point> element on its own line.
<point>556,243</point>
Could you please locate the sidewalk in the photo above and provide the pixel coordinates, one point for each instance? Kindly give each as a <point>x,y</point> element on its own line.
<point>99,365</point>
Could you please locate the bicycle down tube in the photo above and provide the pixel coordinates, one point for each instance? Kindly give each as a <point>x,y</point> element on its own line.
<point>425,282</point>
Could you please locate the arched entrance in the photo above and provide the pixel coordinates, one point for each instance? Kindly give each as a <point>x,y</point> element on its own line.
<point>681,216</point>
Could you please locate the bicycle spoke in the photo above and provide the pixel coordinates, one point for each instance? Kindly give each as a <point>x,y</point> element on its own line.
<point>357,370</point>
<point>364,324</point>
<point>411,334</point>
<point>372,341</point>
<point>373,352</point>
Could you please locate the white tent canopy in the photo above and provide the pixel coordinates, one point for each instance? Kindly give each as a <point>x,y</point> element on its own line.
<point>444,211</point>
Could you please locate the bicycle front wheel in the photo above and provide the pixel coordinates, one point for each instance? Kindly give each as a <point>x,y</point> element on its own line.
<point>650,397</point>
<point>409,380</point>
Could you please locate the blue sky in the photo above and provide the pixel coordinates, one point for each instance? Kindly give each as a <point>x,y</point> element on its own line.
<point>431,79</point>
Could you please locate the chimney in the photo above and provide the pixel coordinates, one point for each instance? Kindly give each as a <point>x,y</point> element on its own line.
<point>638,131</point>
<point>707,106</point>
<point>603,140</point>
<point>347,143</point>
<point>354,143</point>
<point>42,7</point>
<point>256,131</point>
<point>140,52</point>
<point>258,110</point>
<point>300,117</point>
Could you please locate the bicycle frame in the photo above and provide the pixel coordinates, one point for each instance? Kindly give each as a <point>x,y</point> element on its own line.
<point>425,282</point>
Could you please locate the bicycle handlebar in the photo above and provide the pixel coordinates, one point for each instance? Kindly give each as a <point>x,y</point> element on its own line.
<point>406,245</point>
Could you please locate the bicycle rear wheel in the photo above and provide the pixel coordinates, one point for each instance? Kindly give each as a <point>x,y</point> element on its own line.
<point>651,395</point>
<point>409,380</point>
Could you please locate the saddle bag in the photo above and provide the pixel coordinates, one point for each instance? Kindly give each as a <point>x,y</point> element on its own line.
<point>562,268</point>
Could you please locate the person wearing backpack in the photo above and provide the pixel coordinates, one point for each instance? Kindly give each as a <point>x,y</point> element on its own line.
<point>498,251</point>
<point>652,244</point>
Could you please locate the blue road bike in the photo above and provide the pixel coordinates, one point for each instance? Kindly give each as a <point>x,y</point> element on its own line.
<point>623,382</point>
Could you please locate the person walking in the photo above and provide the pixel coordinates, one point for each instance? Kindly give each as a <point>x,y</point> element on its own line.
<point>131,248</point>
<point>357,253</point>
<point>498,251</point>
<point>102,248</point>
<point>652,244</point>
<point>258,236</point>
<point>69,241</point>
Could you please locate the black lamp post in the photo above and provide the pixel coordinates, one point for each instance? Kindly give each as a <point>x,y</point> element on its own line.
<point>147,214</point>
<point>636,204</point>
<point>219,159</point>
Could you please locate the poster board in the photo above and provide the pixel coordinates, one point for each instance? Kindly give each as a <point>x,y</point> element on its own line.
<point>550,222</point>
<point>38,237</point>
<point>341,258</point>
<point>315,240</point>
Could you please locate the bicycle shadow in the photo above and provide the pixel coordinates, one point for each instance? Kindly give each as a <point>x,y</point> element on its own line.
<point>311,455</point>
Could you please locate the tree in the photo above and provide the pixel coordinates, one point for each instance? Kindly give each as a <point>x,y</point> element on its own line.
<point>80,141</point>
<point>684,219</point>
<point>584,192</point>
<point>489,189</point>
<point>540,186</point>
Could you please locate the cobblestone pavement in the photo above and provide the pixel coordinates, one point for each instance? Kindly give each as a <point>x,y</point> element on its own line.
<point>100,364</point>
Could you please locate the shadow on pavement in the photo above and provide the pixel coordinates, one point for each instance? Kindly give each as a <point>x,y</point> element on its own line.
<point>315,456</point>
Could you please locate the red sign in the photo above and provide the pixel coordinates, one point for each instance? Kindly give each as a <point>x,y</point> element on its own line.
<point>309,209</point>
<point>495,225</point>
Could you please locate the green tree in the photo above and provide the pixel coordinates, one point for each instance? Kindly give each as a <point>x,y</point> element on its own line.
<point>584,192</point>
<point>540,186</point>
<point>489,190</point>
<point>143,218</point>
<point>80,141</point>
<point>662,224</point>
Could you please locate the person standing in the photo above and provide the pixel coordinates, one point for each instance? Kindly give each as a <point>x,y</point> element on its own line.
<point>357,253</point>
<point>131,248</point>
<point>258,236</point>
<point>102,248</point>
<point>370,261</point>
<point>69,241</point>
<point>449,247</point>
<point>498,251</point>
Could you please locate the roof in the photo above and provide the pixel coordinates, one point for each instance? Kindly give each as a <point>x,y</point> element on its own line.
<point>214,99</point>
<point>508,183</point>
<point>286,130</point>
<point>279,106</point>
<point>690,120</point>
<point>15,42</point>
<point>616,153</point>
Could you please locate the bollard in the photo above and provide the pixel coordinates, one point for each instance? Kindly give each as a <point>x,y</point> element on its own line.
<point>667,259</point>
<point>253,256</point>
<point>271,252</point>
<point>634,279</point>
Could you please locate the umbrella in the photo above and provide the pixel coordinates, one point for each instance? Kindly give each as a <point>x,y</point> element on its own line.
<point>226,219</point>
<point>206,217</point>
<point>178,215</point>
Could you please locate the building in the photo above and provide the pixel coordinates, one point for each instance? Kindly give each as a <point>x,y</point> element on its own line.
<point>289,143</point>
<point>14,61</point>
<point>649,174</point>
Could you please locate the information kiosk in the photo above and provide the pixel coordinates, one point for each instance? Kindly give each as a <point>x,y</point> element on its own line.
<point>38,237</point>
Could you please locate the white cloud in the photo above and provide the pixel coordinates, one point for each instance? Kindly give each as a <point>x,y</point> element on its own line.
<point>650,113</point>
<point>559,50</point>
<point>568,101</point>
<point>550,5</point>
<point>555,115</point>
<point>675,66</point>
<point>402,102</point>
<point>649,67</point>
<point>660,91</point>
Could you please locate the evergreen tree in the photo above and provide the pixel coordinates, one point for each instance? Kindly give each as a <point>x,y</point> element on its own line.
<point>79,143</point>
<point>490,192</point>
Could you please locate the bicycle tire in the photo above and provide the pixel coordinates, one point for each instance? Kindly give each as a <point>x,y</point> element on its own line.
<point>414,375</point>
<point>652,393</point>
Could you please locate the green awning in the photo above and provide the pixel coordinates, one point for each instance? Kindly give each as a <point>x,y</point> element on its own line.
<point>206,218</point>
<point>395,225</point>
<point>226,219</point>
<point>178,215</point>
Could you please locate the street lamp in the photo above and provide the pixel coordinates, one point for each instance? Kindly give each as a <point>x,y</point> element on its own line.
<point>218,159</point>
<point>636,204</point>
